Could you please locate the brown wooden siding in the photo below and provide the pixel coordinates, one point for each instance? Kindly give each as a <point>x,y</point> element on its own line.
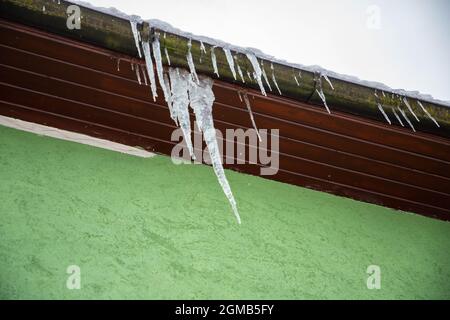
<point>62,83</point>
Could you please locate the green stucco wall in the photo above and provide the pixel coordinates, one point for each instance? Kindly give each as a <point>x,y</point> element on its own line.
<point>148,229</point>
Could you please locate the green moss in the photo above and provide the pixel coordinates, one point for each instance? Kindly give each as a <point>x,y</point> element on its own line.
<point>148,229</point>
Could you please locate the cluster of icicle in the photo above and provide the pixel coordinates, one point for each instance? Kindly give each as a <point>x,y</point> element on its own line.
<point>183,89</point>
<point>394,109</point>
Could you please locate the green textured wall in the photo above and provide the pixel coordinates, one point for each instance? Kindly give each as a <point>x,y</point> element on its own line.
<point>148,229</point>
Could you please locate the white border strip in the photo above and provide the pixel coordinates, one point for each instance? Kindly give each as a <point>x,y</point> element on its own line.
<point>72,136</point>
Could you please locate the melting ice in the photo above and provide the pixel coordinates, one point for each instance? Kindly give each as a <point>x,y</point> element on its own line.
<point>254,61</point>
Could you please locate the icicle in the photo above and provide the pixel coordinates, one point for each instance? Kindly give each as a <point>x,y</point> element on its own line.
<point>150,71</point>
<point>132,66</point>
<point>249,108</point>
<point>138,75</point>
<point>265,76</point>
<point>202,51</point>
<point>428,114</point>
<point>191,62</point>
<point>240,95</point>
<point>380,107</point>
<point>328,80</point>
<point>407,119</point>
<point>398,118</point>
<point>384,95</point>
<point>118,64</point>
<point>214,62</point>
<point>296,80</point>
<point>202,98</point>
<point>167,56</point>
<point>320,91</point>
<point>249,75</point>
<point>179,80</point>
<point>159,67</point>
<point>410,109</point>
<point>136,35</point>
<point>230,61</point>
<point>143,73</point>
<point>169,103</point>
<point>258,73</point>
<point>240,73</point>
<point>275,79</point>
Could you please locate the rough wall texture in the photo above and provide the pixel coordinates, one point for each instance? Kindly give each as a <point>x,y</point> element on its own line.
<point>145,228</point>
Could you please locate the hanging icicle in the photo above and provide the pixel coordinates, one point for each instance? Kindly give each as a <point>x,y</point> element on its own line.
<point>380,107</point>
<point>266,79</point>
<point>167,56</point>
<point>319,91</point>
<point>136,35</point>
<point>428,114</point>
<point>258,73</point>
<point>240,73</point>
<point>406,118</point>
<point>398,118</point>
<point>249,108</point>
<point>191,62</point>
<point>143,74</point>
<point>214,62</point>
<point>202,51</point>
<point>405,101</point>
<point>159,66</point>
<point>138,76</point>
<point>275,79</point>
<point>202,98</point>
<point>230,61</point>
<point>150,71</point>
<point>179,80</point>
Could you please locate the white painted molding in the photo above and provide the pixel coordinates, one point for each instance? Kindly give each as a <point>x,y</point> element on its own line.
<point>72,136</point>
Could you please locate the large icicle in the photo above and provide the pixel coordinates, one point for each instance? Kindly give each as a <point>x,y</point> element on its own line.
<point>191,62</point>
<point>136,35</point>
<point>179,80</point>
<point>258,72</point>
<point>159,67</point>
<point>150,71</point>
<point>202,98</point>
<point>380,107</point>
<point>428,114</point>
<point>407,119</point>
<point>249,108</point>
<point>214,62</point>
<point>230,61</point>
<point>275,79</point>
<point>405,101</point>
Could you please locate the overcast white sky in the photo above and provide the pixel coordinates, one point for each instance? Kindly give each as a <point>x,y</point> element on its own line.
<point>402,43</point>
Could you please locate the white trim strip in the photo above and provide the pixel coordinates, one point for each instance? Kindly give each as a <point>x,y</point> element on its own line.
<point>72,136</point>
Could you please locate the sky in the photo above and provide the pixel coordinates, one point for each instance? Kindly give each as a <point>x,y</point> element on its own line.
<point>404,44</point>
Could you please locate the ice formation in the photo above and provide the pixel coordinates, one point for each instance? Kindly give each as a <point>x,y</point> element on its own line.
<point>230,61</point>
<point>179,80</point>
<point>159,67</point>
<point>319,91</point>
<point>202,50</point>
<point>240,73</point>
<point>136,35</point>
<point>380,107</point>
<point>191,62</point>
<point>201,100</point>
<point>428,114</point>
<point>265,76</point>
<point>150,71</point>
<point>258,72</point>
<point>398,118</point>
<point>214,62</point>
<point>167,56</point>
<point>406,118</point>
<point>296,80</point>
<point>143,74</point>
<point>405,101</point>
<point>275,79</point>
<point>138,76</point>
<point>249,108</point>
